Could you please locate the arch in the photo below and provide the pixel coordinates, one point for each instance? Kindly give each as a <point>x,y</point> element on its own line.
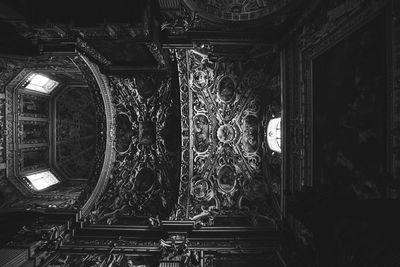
<point>109,153</point>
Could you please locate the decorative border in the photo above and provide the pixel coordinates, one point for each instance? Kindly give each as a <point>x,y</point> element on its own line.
<point>109,153</point>
<point>184,185</point>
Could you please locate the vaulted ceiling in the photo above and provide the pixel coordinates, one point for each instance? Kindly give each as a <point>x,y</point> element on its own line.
<point>223,107</point>
<point>187,126</point>
<point>60,131</point>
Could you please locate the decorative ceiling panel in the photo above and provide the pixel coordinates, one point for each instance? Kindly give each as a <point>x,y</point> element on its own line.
<point>143,182</point>
<point>221,171</point>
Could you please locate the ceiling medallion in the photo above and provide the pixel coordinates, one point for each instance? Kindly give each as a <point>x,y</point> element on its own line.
<point>201,79</point>
<point>226,89</point>
<point>200,188</point>
<point>226,178</point>
<point>225,133</point>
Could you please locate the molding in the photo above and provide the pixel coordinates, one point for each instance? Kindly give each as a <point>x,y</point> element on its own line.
<point>184,186</point>
<point>109,154</point>
<point>89,51</point>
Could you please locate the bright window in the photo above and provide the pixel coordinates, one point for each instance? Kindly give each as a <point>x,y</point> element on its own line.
<point>40,83</point>
<point>42,180</point>
<point>274,134</point>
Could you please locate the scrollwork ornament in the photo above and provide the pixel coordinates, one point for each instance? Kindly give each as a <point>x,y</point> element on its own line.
<point>224,147</point>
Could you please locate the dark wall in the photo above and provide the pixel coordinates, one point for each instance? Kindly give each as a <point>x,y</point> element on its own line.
<point>349,87</point>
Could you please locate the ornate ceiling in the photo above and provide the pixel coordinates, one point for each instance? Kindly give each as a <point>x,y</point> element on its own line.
<point>186,173</point>
<point>236,10</point>
<point>143,182</point>
<point>222,171</point>
<point>222,110</point>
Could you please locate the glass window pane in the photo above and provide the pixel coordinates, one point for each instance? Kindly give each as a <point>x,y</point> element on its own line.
<point>42,180</point>
<point>39,80</point>
<point>40,83</point>
<point>274,134</point>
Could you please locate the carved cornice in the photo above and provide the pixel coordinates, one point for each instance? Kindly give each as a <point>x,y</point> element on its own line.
<point>89,51</point>
<point>64,32</point>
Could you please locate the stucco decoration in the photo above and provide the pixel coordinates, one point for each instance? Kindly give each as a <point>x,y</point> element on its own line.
<point>143,176</point>
<point>221,171</point>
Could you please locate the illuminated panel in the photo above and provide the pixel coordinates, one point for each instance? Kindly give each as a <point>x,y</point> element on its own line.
<point>274,135</point>
<point>42,180</point>
<point>40,83</point>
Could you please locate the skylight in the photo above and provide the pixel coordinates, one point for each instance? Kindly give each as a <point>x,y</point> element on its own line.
<point>40,83</point>
<point>42,180</point>
<point>274,134</point>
